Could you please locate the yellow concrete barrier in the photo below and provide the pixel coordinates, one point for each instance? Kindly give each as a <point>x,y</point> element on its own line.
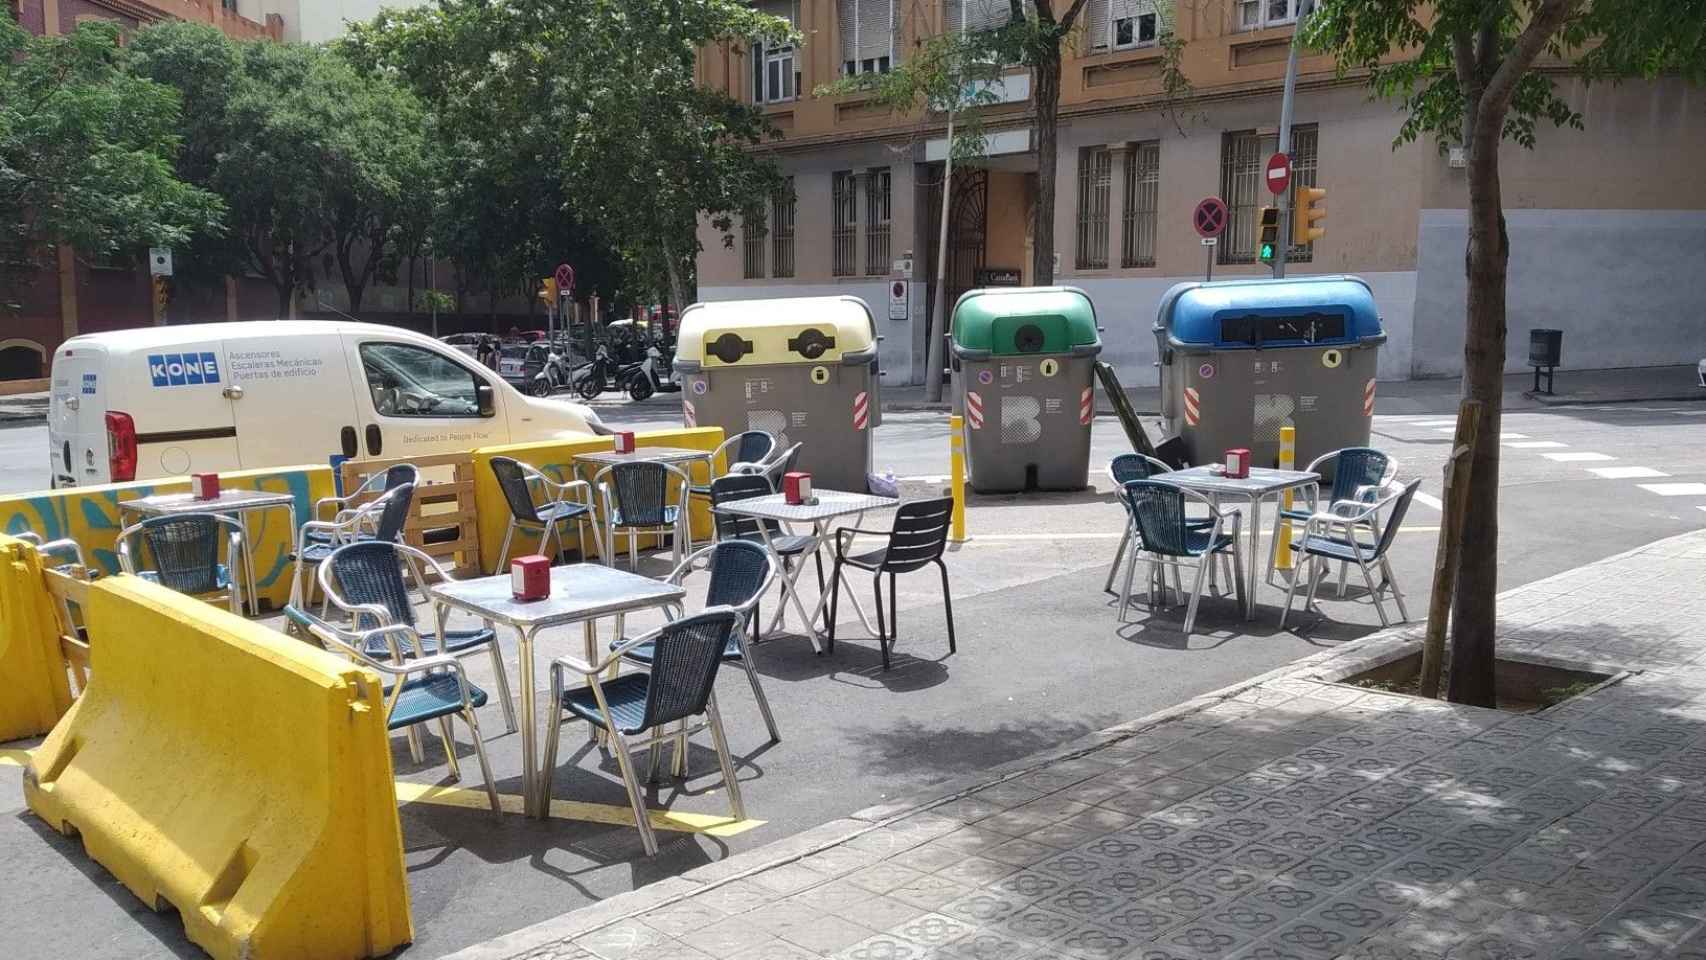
<point>556,459</point>
<point>91,516</point>
<point>35,690</point>
<point>240,776</point>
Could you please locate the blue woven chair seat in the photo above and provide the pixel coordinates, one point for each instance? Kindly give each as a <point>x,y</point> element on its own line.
<point>564,510</point>
<point>1197,541</point>
<point>625,694</point>
<point>315,551</point>
<point>669,515</point>
<point>379,648</point>
<point>1336,548</point>
<point>646,652</point>
<point>221,580</point>
<point>430,697</point>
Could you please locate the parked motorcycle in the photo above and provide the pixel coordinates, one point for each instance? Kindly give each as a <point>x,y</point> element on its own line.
<point>654,374</point>
<point>597,376</point>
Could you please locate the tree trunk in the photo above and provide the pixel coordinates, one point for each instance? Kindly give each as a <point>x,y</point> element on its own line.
<point>1474,613</point>
<point>673,268</point>
<point>1045,89</point>
<point>412,287</point>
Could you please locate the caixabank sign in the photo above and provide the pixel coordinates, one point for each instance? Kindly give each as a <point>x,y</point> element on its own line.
<point>181,369</point>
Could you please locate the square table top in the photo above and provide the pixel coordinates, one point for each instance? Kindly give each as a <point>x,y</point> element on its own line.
<point>579,591</point>
<point>1262,480</point>
<point>161,504</point>
<point>643,455</point>
<point>830,503</point>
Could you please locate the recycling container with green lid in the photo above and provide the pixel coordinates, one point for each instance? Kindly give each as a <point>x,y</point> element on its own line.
<point>1026,357</point>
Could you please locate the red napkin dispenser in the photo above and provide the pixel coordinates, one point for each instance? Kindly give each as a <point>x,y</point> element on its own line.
<point>1238,463</point>
<point>625,442</point>
<point>530,577</point>
<point>204,486</point>
<point>797,487</point>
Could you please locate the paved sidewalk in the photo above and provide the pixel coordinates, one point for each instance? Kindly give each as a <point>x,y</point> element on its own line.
<point>1286,817</point>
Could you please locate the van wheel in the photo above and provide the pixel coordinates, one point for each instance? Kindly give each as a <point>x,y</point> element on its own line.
<point>640,386</point>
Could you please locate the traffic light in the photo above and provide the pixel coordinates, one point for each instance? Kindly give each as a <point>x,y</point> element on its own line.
<point>548,292</point>
<point>1267,237</point>
<point>1309,209</point>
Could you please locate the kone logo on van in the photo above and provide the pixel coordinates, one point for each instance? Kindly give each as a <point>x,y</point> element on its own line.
<point>180,369</point>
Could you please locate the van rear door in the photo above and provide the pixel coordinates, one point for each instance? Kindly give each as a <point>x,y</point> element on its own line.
<point>293,403</point>
<point>76,417</point>
<point>176,398</point>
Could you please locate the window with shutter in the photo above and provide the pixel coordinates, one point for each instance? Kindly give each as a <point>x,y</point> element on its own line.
<point>1096,24</point>
<point>1132,23</point>
<point>775,70</point>
<point>971,16</point>
<point>867,35</point>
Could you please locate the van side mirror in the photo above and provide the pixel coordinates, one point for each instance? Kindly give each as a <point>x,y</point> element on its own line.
<point>483,395</point>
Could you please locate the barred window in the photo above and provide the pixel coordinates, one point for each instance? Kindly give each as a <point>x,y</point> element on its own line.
<point>1142,196</point>
<point>877,220</point>
<point>844,220</point>
<point>1095,176</point>
<point>752,247</point>
<point>782,229</point>
<point>1243,171</point>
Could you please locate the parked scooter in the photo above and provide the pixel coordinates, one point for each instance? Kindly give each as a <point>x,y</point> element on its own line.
<point>597,376</point>
<point>654,374</point>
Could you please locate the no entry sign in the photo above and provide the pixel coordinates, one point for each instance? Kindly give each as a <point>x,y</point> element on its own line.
<point>1279,173</point>
<point>1209,217</point>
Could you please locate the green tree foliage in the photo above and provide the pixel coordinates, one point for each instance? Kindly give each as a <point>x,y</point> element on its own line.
<point>1464,71</point>
<point>86,153</point>
<point>592,103</point>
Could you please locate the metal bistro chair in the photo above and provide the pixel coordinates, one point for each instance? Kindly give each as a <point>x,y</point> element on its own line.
<point>1320,544</point>
<point>637,501</point>
<point>919,536</point>
<point>1122,470</point>
<point>680,686</point>
<point>382,482</point>
<point>185,551</point>
<point>439,688</point>
<point>380,520</point>
<point>516,480</point>
<point>780,462</point>
<point>365,580</point>
<point>744,450</point>
<point>788,546</point>
<point>1359,474</point>
<point>1169,537</point>
<point>741,573</point>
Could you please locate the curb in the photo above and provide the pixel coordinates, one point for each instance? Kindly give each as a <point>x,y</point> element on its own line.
<point>1589,400</point>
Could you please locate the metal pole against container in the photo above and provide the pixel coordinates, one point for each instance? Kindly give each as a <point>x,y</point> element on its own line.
<point>1283,201</point>
<point>934,349</point>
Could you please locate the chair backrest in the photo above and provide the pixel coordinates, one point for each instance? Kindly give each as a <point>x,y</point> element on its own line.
<point>1159,511</point>
<point>783,464</point>
<point>684,666</point>
<point>1395,519</point>
<point>919,535</point>
<point>398,474</point>
<point>740,572</point>
<point>512,480</point>
<point>738,486</point>
<point>1131,466</point>
<point>186,551</point>
<point>751,446</point>
<point>1355,468</point>
<point>641,489</point>
<point>395,513</point>
<point>372,572</point>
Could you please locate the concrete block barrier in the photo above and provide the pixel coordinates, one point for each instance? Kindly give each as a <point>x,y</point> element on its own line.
<point>35,689</point>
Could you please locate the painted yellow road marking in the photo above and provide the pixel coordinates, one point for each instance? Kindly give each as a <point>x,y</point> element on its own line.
<point>711,826</point>
<point>14,758</point>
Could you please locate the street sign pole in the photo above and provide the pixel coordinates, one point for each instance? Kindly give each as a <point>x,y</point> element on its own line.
<point>1284,198</point>
<point>1209,218</point>
<point>1208,245</point>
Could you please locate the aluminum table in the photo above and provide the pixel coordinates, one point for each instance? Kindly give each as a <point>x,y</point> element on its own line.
<point>1261,484</point>
<point>609,458</point>
<point>238,502</point>
<point>580,593</point>
<point>830,505</point>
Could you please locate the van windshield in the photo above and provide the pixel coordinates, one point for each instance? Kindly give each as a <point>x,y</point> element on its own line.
<point>412,381</point>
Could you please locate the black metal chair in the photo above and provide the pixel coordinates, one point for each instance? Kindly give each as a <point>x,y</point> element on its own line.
<point>919,537</point>
<point>1320,544</point>
<point>516,480</point>
<point>788,546</point>
<point>185,551</point>
<point>1169,537</point>
<point>743,451</point>
<point>638,501</point>
<point>379,520</point>
<point>427,689</point>
<point>680,686</point>
<point>366,581</point>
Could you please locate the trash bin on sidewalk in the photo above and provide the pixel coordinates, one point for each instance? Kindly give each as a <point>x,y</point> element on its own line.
<point>1025,359</point>
<point>1242,358</point>
<point>803,369</point>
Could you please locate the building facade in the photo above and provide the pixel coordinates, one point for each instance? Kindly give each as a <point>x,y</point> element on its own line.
<point>1608,236</point>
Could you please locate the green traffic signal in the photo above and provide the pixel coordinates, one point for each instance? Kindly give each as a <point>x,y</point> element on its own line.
<point>1267,253</point>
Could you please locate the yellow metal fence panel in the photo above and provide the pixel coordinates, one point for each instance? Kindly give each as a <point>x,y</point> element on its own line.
<point>34,687</point>
<point>234,773</point>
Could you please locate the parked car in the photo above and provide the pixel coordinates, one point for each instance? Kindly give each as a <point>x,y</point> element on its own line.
<point>166,401</point>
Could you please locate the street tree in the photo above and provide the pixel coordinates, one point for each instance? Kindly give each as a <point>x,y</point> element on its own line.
<point>1466,72</point>
<point>86,154</point>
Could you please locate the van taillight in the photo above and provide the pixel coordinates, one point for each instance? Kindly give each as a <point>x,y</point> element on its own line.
<point>121,446</point>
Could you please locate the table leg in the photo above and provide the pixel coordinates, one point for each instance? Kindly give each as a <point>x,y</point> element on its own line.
<point>1250,576</point>
<point>822,608</point>
<point>790,590</point>
<point>532,788</point>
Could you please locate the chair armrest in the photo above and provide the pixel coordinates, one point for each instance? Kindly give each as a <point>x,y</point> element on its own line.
<point>323,501</point>
<point>841,545</point>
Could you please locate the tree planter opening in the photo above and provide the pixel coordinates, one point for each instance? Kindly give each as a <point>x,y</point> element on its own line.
<point>1521,685</point>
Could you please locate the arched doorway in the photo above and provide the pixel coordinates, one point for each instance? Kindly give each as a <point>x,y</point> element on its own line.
<point>968,225</point>
<point>22,360</point>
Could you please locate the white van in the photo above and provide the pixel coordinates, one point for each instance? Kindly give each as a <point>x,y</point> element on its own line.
<point>166,401</point>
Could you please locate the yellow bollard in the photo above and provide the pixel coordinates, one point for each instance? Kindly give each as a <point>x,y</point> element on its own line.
<point>957,477</point>
<point>1287,461</point>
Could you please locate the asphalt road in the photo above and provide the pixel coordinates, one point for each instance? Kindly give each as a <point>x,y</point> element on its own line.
<point>1041,660</point>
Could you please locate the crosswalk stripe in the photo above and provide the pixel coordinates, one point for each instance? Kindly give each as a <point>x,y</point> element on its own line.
<point>1578,456</point>
<point>1430,500</point>
<point>1536,445</point>
<point>1626,473</point>
<point>1675,489</point>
